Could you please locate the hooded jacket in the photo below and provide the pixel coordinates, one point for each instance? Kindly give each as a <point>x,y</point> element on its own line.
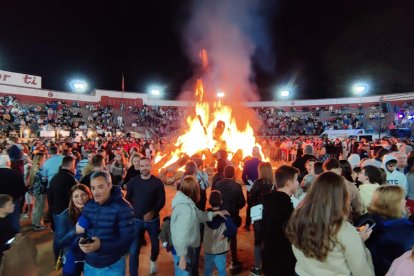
<point>395,177</point>
<point>185,223</point>
<point>366,191</point>
<point>213,230</point>
<point>113,223</point>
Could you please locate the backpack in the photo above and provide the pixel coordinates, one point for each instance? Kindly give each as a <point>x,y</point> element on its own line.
<point>165,234</point>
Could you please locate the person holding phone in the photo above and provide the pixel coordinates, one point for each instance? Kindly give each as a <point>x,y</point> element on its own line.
<point>393,233</point>
<point>323,241</point>
<point>66,236</point>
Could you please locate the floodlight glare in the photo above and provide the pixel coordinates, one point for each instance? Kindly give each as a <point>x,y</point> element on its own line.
<point>79,86</point>
<point>360,88</point>
<point>284,93</point>
<point>155,92</point>
<point>220,94</point>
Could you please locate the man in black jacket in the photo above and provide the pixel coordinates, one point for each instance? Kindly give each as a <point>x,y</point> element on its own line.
<point>12,184</point>
<point>58,195</point>
<point>233,201</point>
<point>278,258</point>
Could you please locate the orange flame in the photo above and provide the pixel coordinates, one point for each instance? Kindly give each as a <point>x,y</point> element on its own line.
<point>200,134</point>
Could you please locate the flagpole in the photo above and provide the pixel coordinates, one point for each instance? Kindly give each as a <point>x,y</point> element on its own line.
<point>122,89</point>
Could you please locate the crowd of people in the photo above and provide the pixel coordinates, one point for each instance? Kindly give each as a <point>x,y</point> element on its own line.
<point>329,208</point>
<point>159,121</point>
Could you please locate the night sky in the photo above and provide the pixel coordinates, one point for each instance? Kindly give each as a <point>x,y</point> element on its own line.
<point>321,47</point>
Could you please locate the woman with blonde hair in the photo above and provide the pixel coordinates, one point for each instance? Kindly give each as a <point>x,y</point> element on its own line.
<point>323,241</point>
<point>185,224</point>
<point>393,233</point>
<point>37,183</point>
<point>263,185</point>
<point>118,168</point>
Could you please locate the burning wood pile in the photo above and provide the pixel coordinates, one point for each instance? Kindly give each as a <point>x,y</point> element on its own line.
<point>211,129</point>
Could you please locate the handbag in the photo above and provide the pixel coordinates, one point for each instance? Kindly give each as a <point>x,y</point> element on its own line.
<point>59,261</point>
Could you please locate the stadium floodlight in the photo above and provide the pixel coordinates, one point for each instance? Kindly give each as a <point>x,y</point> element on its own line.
<point>79,86</point>
<point>155,92</point>
<point>360,88</point>
<point>220,94</point>
<point>284,93</point>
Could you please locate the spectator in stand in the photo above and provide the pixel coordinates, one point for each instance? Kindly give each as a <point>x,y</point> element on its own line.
<point>185,224</point>
<point>133,169</point>
<point>369,178</point>
<point>52,165</point>
<point>66,237</point>
<point>278,257</point>
<point>38,183</point>
<point>12,184</point>
<point>262,186</point>
<point>233,201</point>
<point>108,219</point>
<point>333,165</point>
<point>393,234</point>
<point>147,195</point>
<point>249,176</point>
<point>323,242</point>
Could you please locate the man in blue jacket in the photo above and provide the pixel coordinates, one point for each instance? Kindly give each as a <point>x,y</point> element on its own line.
<point>110,226</point>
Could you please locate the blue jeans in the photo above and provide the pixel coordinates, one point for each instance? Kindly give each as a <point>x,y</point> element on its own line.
<point>218,260</point>
<point>153,229</point>
<point>117,268</point>
<point>177,270</point>
<point>15,216</point>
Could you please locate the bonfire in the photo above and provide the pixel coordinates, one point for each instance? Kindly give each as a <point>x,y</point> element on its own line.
<point>211,128</point>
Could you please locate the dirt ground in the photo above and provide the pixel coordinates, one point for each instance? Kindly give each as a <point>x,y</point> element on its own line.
<point>43,241</point>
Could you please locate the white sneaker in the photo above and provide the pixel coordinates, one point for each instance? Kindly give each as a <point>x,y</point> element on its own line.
<point>153,267</point>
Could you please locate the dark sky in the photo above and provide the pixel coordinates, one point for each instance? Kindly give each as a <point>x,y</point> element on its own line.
<point>319,46</point>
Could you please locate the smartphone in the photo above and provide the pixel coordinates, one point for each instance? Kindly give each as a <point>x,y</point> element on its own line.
<point>363,225</point>
<point>86,240</point>
<point>10,241</point>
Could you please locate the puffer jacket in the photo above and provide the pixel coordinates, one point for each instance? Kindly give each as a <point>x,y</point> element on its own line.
<point>185,223</point>
<point>67,240</point>
<point>390,238</point>
<point>113,223</point>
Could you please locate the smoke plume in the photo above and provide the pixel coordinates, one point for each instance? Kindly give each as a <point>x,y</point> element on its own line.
<point>232,32</point>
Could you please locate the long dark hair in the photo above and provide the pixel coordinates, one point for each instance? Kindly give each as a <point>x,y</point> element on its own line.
<point>74,212</point>
<point>346,170</point>
<point>313,226</point>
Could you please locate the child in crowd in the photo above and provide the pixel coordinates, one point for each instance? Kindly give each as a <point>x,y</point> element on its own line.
<point>216,234</point>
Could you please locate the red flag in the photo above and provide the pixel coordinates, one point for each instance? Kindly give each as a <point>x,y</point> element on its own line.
<point>123,83</point>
